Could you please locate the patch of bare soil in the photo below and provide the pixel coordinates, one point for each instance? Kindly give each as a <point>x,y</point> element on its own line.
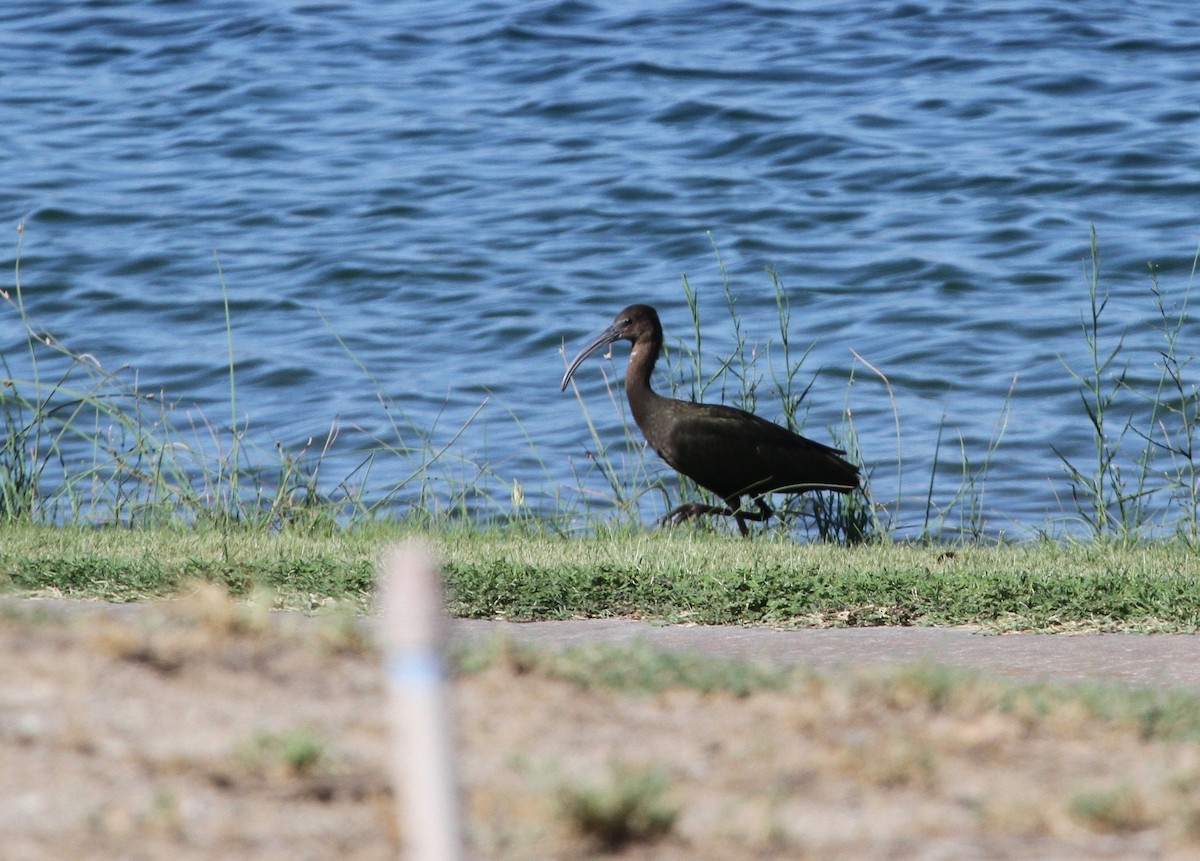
<point>202,732</point>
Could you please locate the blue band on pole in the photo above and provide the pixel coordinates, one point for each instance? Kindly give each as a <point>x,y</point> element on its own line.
<point>414,669</point>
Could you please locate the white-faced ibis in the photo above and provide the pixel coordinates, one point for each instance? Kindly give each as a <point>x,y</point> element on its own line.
<point>729,451</point>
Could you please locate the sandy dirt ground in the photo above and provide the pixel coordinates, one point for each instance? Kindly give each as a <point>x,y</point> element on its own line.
<point>196,730</point>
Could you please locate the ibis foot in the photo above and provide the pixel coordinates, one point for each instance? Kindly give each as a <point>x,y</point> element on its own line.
<point>692,509</point>
<point>695,509</point>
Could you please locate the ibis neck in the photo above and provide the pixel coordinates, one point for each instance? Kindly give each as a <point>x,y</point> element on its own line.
<point>637,380</point>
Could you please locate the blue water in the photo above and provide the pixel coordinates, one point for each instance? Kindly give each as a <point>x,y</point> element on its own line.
<point>458,190</point>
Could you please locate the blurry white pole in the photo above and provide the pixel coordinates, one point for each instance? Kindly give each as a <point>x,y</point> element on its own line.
<point>413,635</point>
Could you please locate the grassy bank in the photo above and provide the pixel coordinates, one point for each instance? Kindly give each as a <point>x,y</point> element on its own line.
<point>679,575</point>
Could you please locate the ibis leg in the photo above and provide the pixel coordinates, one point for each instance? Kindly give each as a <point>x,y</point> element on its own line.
<point>763,514</point>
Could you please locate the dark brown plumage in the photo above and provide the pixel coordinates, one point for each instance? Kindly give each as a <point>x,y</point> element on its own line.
<point>729,451</point>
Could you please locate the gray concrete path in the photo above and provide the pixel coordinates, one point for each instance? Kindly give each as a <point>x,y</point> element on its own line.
<point>1163,660</point>
<point>1168,660</point>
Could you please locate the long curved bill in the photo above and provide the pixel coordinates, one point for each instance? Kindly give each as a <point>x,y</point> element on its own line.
<point>608,336</point>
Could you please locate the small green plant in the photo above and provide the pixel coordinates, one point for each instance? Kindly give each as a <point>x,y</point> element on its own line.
<point>1108,502</point>
<point>298,752</point>
<point>1173,430</point>
<point>629,808</point>
<point>1135,426</point>
<point>968,500</point>
<point>1113,811</point>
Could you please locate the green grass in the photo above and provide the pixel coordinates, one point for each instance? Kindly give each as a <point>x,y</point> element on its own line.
<point>677,575</point>
<point>305,569</point>
<point>711,579</point>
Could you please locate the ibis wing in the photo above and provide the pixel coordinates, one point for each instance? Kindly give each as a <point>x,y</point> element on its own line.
<point>730,452</point>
